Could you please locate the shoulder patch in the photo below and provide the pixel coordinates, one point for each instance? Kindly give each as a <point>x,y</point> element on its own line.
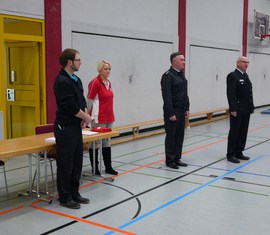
<point>166,73</point>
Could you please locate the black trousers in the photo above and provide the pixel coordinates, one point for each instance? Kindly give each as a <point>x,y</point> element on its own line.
<point>69,152</point>
<point>175,131</point>
<point>238,134</point>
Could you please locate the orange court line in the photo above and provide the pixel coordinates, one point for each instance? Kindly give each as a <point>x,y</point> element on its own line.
<point>159,161</point>
<point>152,163</point>
<point>10,210</point>
<point>259,128</point>
<point>204,146</point>
<point>123,173</point>
<point>83,220</point>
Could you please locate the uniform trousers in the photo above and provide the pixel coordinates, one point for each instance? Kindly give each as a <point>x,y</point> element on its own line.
<point>175,131</point>
<point>238,134</point>
<point>69,152</point>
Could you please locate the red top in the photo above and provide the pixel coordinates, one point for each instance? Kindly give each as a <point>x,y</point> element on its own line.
<point>102,96</point>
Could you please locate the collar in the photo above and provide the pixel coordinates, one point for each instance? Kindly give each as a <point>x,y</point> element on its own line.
<point>178,71</point>
<point>240,71</point>
<point>74,77</point>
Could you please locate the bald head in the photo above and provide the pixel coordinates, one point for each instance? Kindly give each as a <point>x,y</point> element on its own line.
<point>242,63</point>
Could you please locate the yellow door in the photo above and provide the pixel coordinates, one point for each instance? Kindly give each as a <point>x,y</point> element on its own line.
<point>23,88</point>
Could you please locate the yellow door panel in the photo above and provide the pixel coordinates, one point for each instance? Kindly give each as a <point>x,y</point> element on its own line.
<point>22,120</point>
<point>23,104</point>
<point>24,95</point>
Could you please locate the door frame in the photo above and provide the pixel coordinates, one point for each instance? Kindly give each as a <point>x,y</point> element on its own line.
<point>21,37</point>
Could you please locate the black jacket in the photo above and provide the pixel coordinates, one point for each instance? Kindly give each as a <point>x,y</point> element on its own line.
<point>174,92</point>
<point>69,99</point>
<point>239,93</point>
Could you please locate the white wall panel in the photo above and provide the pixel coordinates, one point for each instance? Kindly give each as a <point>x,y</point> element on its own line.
<point>146,16</point>
<point>208,72</point>
<point>215,21</point>
<point>29,8</point>
<point>137,37</point>
<point>137,67</point>
<point>259,73</point>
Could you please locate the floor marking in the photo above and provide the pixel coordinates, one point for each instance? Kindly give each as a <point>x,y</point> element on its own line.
<point>132,197</point>
<point>242,172</point>
<point>239,190</point>
<point>156,162</point>
<point>82,220</point>
<point>259,128</point>
<point>204,146</point>
<point>183,196</point>
<point>11,210</point>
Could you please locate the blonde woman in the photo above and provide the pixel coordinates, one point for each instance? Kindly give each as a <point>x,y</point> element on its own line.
<point>100,105</point>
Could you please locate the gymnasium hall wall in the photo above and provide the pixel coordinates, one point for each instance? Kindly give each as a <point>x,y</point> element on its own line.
<point>213,43</point>
<point>138,36</point>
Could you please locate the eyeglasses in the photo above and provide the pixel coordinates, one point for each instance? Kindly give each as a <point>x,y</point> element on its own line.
<point>79,60</point>
<point>246,62</point>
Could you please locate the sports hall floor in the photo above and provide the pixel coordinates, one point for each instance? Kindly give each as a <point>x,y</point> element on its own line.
<point>211,196</point>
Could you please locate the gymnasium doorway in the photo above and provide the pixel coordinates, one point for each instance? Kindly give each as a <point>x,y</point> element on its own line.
<point>22,100</point>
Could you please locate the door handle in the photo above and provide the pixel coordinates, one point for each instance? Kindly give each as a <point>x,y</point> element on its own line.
<point>12,76</point>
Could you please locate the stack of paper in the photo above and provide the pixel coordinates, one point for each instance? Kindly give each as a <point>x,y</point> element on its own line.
<point>89,132</point>
<point>50,140</point>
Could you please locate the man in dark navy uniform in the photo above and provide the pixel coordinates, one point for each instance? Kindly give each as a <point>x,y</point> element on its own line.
<point>175,108</point>
<point>240,99</point>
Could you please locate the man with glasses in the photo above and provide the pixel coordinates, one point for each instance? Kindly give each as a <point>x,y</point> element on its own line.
<point>71,117</point>
<point>240,99</point>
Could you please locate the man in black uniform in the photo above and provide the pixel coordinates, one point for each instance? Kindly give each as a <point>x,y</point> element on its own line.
<point>71,117</point>
<point>240,99</point>
<point>175,108</point>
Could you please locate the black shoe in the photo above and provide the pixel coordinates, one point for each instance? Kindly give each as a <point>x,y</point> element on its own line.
<point>71,204</point>
<point>111,171</point>
<point>242,157</point>
<point>81,200</point>
<point>180,163</point>
<point>233,159</point>
<point>172,165</point>
<point>97,172</point>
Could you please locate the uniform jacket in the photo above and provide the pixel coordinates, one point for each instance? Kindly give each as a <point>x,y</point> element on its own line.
<point>239,93</point>
<point>69,99</point>
<point>174,92</point>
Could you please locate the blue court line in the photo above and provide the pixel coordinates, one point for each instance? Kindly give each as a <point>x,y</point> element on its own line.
<point>183,196</point>
<point>242,172</point>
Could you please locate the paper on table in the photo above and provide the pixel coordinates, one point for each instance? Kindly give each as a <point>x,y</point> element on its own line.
<point>89,132</point>
<point>50,140</point>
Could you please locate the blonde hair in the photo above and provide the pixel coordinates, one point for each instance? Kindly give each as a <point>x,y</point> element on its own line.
<point>101,64</point>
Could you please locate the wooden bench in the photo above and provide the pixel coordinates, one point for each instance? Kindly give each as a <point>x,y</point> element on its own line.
<point>155,127</point>
<point>136,131</point>
<point>211,115</point>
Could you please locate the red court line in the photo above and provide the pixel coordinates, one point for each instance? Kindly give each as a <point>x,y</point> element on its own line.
<point>82,220</point>
<point>259,128</point>
<point>204,146</point>
<point>159,161</point>
<point>123,173</point>
<point>153,163</point>
<point>10,210</point>
<point>156,162</point>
